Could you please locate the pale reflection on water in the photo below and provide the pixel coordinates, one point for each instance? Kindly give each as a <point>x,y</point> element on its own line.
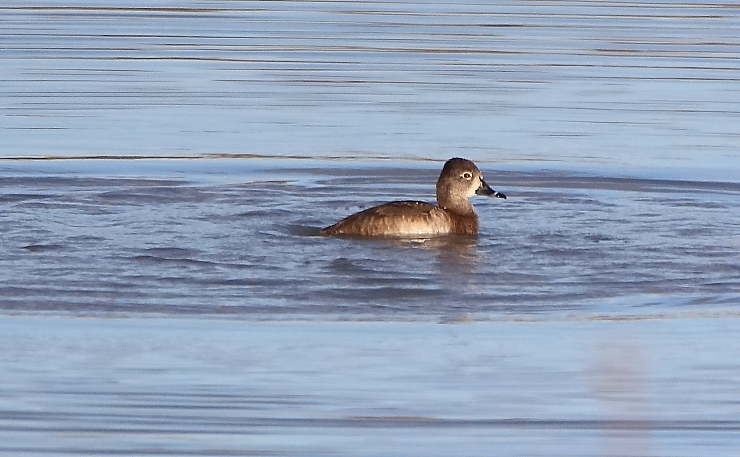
<point>621,382</point>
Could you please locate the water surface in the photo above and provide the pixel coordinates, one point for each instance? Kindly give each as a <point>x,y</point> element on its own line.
<point>244,243</point>
<point>621,85</point>
<point>165,168</point>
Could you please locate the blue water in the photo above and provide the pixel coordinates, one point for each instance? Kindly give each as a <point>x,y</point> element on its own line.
<point>165,169</point>
<point>201,242</point>
<point>617,86</point>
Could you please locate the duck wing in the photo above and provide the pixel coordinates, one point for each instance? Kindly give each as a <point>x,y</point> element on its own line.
<point>402,218</point>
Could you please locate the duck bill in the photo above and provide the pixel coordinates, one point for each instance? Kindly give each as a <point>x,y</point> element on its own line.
<point>485,189</point>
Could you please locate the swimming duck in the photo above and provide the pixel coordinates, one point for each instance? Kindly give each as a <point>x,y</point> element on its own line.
<point>459,180</point>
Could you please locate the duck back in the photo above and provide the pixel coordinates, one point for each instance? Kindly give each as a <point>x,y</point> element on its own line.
<point>404,218</point>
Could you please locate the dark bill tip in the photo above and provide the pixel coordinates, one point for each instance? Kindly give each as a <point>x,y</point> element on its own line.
<point>485,189</point>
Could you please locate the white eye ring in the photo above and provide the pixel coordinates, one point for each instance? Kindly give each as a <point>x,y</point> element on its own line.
<point>467,175</point>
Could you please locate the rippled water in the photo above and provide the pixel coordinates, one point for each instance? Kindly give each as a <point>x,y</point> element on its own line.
<point>165,169</point>
<point>622,85</point>
<point>214,388</point>
<point>89,243</point>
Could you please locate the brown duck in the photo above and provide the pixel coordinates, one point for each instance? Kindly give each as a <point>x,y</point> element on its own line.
<point>459,180</point>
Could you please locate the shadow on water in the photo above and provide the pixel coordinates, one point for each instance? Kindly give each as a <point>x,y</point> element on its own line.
<point>304,230</point>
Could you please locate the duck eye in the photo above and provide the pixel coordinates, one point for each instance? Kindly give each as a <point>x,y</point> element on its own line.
<point>467,175</point>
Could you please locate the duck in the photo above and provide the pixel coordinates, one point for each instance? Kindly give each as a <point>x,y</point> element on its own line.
<point>453,214</point>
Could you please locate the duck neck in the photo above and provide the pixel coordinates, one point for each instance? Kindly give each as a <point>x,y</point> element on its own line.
<point>456,205</point>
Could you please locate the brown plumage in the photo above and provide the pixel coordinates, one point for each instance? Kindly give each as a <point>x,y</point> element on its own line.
<point>459,180</point>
